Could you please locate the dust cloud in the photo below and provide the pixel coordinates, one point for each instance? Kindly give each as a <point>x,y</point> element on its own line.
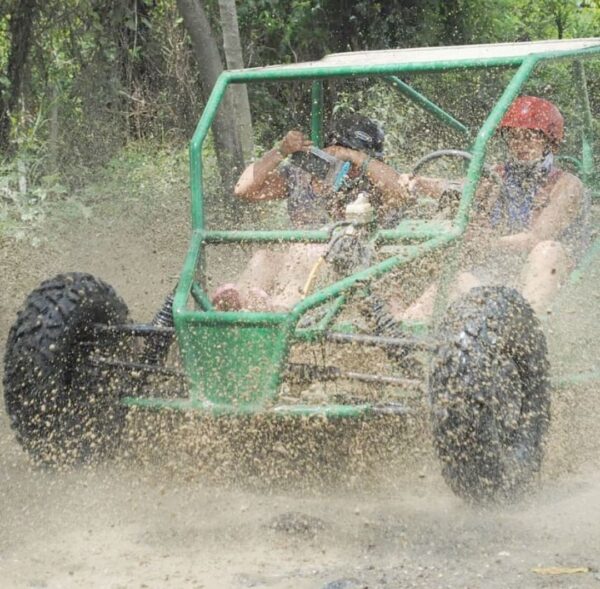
<point>218,504</point>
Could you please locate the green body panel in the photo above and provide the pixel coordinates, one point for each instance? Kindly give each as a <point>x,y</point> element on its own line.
<point>235,360</point>
<point>234,364</point>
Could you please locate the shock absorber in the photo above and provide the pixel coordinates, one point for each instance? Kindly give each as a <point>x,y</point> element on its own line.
<point>375,310</point>
<point>164,316</point>
<point>157,344</point>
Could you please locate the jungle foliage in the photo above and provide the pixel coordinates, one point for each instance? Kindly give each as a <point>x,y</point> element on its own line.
<point>82,79</point>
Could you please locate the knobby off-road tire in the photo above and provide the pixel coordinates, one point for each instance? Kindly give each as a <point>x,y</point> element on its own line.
<point>489,392</point>
<point>63,410</point>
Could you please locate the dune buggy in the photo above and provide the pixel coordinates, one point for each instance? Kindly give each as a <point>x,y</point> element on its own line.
<point>75,364</point>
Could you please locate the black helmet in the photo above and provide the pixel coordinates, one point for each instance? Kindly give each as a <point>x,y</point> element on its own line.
<point>358,132</point>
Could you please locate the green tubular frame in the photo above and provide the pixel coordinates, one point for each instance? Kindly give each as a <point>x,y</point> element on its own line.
<point>427,104</point>
<point>235,360</point>
<point>316,107</point>
<point>587,139</point>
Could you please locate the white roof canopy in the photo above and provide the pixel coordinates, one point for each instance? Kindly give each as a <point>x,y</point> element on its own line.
<point>457,52</point>
<point>447,54</point>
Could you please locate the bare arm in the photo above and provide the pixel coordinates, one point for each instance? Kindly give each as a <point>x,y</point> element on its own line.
<point>384,177</point>
<point>433,187</point>
<point>261,180</point>
<point>565,202</point>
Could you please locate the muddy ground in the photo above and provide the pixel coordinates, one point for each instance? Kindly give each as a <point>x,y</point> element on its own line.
<point>196,515</point>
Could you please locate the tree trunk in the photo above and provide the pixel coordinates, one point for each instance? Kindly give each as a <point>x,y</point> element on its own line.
<point>21,25</point>
<point>227,145</point>
<point>235,60</point>
<point>53,137</point>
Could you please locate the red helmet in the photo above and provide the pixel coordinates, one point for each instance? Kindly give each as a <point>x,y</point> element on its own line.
<point>531,112</point>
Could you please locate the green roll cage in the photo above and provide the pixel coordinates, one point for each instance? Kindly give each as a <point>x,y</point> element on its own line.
<point>235,360</point>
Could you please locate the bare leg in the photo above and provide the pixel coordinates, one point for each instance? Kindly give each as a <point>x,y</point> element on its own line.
<point>256,280</point>
<point>293,272</point>
<point>261,271</point>
<point>464,283</point>
<point>422,308</point>
<point>546,269</point>
<point>271,281</point>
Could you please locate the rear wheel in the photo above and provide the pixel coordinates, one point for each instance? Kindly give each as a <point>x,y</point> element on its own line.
<point>489,395</point>
<point>63,409</point>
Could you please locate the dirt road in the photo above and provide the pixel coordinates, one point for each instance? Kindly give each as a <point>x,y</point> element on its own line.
<point>148,522</point>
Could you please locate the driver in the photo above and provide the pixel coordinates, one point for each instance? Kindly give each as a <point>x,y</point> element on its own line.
<point>539,213</point>
<point>272,280</point>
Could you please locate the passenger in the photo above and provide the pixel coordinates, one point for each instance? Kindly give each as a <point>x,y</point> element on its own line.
<point>540,208</point>
<point>272,280</point>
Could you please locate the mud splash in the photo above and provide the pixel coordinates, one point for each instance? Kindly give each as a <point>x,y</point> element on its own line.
<point>194,505</point>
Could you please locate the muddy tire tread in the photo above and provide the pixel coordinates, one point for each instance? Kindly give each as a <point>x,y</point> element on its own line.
<point>491,328</point>
<point>39,356</point>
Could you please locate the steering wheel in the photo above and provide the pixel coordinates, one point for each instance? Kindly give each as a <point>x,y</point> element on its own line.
<point>465,155</point>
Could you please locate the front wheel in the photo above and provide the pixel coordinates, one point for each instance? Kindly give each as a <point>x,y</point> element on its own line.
<point>489,392</point>
<point>63,409</point>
